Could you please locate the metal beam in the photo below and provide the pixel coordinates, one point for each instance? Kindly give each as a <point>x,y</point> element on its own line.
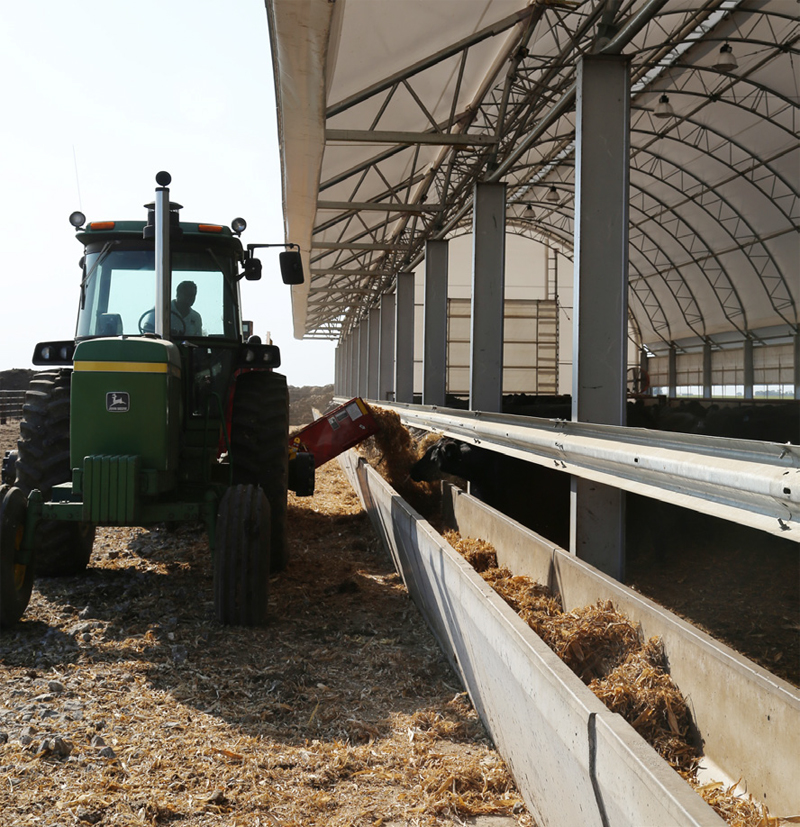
<point>363,358</point>
<point>600,298</point>
<point>796,372</point>
<point>386,360</point>
<point>426,63</point>
<point>488,294</point>
<point>672,372</point>
<point>373,366</point>
<point>749,368</point>
<point>748,482</point>
<point>357,245</point>
<point>434,333</point>
<point>404,341</point>
<point>372,206</point>
<point>321,271</point>
<point>377,136</point>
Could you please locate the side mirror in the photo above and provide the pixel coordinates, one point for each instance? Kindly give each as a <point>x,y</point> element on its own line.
<point>252,269</point>
<point>291,267</point>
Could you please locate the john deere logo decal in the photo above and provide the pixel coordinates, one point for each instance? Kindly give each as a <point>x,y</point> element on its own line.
<point>118,402</point>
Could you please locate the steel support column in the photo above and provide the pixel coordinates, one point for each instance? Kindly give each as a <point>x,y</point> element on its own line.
<point>796,373</point>
<point>363,357</point>
<point>404,342</point>
<point>644,370</point>
<point>345,366</point>
<point>386,358</point>
<point>672,372</point>
<point>602,159</point>
<point>347,355</point>
<point>488,289</point>
<point>434,325</point>
<point>749,369</point>
<point>352,365</point>
<point>707,371</point>
<point>373,363</point>
<point>337,370</point>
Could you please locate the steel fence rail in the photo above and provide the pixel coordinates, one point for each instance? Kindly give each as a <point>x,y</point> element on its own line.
<point>11,405</point>
<point>752,483</point>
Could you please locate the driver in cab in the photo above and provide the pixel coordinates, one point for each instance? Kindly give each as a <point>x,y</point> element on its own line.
<point>181,306</point>
<point>184,320</point>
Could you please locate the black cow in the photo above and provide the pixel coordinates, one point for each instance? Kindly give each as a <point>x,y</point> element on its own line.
<point>536,496</point>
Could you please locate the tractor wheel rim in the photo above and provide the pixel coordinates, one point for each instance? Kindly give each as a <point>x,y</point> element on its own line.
<point>19,569</point>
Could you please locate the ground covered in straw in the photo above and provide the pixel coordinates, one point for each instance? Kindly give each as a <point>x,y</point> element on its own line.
<point>123,702</point>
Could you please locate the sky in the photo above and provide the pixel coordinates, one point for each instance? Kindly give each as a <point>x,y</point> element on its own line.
<point>100,96</point>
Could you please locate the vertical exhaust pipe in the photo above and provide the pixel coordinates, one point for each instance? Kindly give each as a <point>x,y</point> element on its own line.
<point>163,271</point>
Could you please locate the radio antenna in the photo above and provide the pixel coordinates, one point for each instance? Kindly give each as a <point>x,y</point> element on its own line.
<point>77,180</point>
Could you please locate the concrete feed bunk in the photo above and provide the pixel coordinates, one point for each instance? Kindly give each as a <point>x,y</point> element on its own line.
<point>574,761</point>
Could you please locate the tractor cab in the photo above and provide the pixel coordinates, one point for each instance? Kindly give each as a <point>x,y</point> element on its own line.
<point>119,287</point>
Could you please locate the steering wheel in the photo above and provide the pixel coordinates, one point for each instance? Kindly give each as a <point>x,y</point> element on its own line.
<point>180,318</point>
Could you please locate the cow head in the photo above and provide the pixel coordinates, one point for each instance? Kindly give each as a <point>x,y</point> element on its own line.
<point>443,457</point>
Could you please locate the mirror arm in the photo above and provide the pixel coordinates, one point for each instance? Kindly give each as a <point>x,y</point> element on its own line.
<point>289,245</point>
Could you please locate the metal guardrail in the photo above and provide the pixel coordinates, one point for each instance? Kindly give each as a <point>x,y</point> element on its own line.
<point>11,405</point>
<point>752,483</point>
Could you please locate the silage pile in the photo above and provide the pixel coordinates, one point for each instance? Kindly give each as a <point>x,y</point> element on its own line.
<point>629,675</point>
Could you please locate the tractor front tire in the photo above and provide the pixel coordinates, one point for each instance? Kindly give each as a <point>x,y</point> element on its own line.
<point>16,580</point>
<point>302,474</point>
<point>241,557</point>
<point>44,461</point>
<point>260,448</point>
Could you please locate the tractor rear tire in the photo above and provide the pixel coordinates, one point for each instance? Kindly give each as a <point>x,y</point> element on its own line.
<point>44,461</point>
<point>260,448</point>
<point>241,557</point>
<point>16,580</point>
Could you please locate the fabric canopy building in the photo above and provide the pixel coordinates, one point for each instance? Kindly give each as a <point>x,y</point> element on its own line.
<point>390,110</point>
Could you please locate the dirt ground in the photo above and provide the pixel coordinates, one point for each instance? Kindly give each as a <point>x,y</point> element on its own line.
<point>123,701</point>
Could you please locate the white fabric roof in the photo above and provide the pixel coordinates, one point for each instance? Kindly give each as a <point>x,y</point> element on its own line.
<point>389,110</point>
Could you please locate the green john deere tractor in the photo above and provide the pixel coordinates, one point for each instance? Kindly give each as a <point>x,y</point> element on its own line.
<point>160,410</point>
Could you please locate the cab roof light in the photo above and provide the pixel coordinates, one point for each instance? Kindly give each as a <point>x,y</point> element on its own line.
<point>102,225</point>
<point>209,228</point>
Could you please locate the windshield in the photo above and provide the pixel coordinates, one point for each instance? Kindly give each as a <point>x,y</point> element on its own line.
<point>118,294</point>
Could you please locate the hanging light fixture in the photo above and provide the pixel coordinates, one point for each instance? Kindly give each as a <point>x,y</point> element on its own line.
<point>664,108</point>
<point>552,195</point>
<point>529,213</point>
<point>726,62</point>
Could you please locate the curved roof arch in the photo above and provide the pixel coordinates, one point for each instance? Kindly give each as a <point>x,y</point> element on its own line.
<point>390,112</point>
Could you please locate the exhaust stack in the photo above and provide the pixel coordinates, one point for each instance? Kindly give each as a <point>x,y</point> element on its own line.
<point>163,272</point>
